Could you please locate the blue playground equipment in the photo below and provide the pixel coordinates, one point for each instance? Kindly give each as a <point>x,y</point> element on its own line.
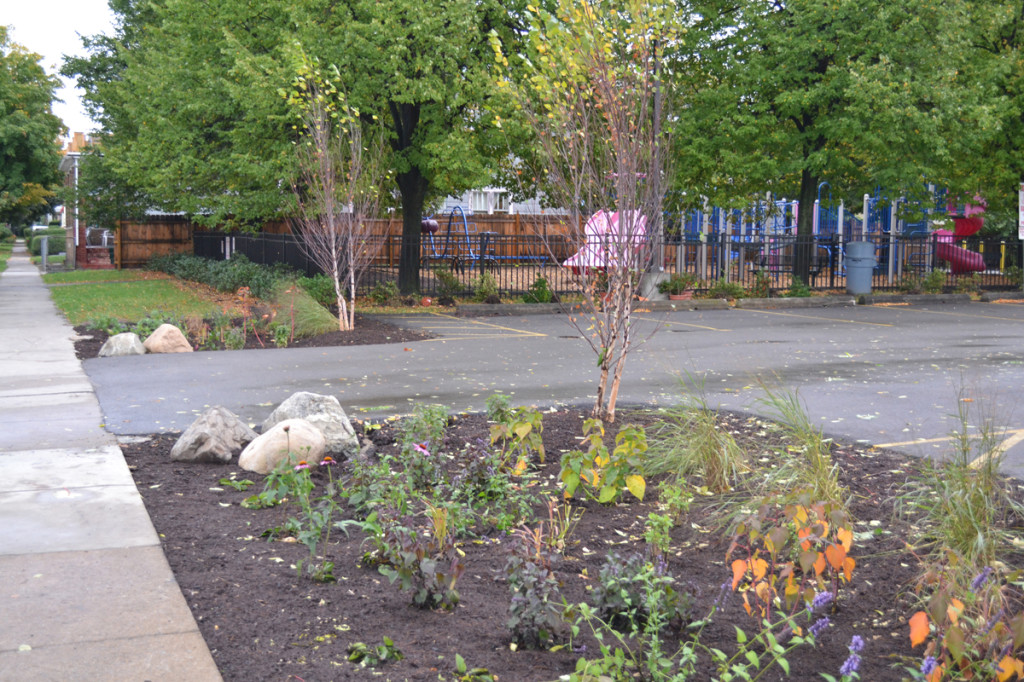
<point>461,245</point>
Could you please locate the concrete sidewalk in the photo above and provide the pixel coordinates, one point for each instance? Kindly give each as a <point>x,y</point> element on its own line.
<point>86,590</point>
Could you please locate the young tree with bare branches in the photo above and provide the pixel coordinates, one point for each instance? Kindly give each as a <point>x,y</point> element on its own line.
<point>340,176</point>
<point>589,86</point>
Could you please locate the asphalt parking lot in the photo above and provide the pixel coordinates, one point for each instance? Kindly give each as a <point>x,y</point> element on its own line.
<point>886,375</point>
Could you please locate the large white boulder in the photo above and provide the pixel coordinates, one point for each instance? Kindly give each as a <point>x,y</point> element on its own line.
<point>216,436</point>
<point>323,412</point>
<point>292,439</point>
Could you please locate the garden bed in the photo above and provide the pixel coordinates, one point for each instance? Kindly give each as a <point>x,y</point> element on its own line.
<point>262,620</point>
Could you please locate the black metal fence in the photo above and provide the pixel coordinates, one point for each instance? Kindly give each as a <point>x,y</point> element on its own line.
<point>515,262</point>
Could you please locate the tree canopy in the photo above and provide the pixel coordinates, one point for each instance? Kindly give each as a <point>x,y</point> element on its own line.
<point>29,134</point>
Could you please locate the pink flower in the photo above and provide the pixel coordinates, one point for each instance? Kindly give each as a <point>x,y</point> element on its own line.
<point>421,448</point>
<point>302,465</point>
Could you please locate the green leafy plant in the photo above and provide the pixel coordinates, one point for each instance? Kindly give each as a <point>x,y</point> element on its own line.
<point>723,289</point>
<point>934,282</point>
<point>448,285</point>
<point>634,592</point>
<point>373,656</point>
<point>798,289</point>
<point>320,288</point>
<point>385,293</point>
<point>605,475</point>
<point>235,484</point>
<point>463,673</point>
<point>677,283</point>
<point>282,335</point>
<point>520,435</point>
<point>425,563</point>
<point>539,292</point>
<point>499,407</point>
<point>762,287</point>
<point>656,533</point>
<point>968,284</point>
<point>234,339</point>
<point>535,617</point>
<point>485,289</point>
<point>1014,276</point>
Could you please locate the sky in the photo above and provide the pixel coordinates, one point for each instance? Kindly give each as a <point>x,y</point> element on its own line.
<point>51,28</point>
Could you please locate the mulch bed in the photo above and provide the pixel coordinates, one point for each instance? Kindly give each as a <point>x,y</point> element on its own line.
<point>263,622</point>
<point>368,330</point>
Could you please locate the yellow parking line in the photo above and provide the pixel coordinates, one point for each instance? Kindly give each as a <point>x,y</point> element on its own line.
<point>815,317</point>
<point>669,323</point>
<point>1015,438</point>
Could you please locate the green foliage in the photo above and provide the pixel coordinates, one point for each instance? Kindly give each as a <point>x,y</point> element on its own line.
<point>320,288</point>
<point>385,293</point>
<point>656,534</point>
<point>606,475</point>
<point>535,614</point>
<point>485,289</point>
<point>235,484</point>
<point>689,440</point>
<point>805,463</point>
<point>227,276</point>
<point>282,335</point>
<point>964,503</point>
<point>539,292</point>
<point>6,235</point>
<point>425,563</point>
<point>234,339</point>
<point>798,288</point>
<point>968,284</point>
<point>448,284</point>
<point>934,282</point>
<point>56,238</point>
<point>762,287</point>
<point>633,593</point>
<point>1014,276</point>
<point>307,317</point>
<point>29,158</point>
<point>499,407</point>
<point>371,657</point>
<point>520,434</point>
<point>677,283</point>
<point>464,673</point>
<point>723,289</point>
<point>108,323</point>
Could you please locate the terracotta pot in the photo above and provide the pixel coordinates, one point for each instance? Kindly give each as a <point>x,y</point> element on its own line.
<point>685,296</point>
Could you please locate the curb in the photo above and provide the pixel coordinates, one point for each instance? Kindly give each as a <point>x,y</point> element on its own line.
<point>870,299</point>
<point>517,309</point>
<point>809,302</point>
<point>990,296</point>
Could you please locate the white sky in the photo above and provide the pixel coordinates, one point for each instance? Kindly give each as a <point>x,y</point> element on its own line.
<point>51,28</point>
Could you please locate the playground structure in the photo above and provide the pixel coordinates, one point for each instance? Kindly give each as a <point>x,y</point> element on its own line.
<point>715,243</point>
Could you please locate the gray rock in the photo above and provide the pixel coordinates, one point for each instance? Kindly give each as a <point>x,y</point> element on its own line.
<point>292,439</point>
<point>216,436</point>
<point>127,343</point>
<point>323,412</point>
<point>167,339</point>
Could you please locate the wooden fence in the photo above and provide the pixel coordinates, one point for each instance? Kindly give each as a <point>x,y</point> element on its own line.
<point>136,242</point>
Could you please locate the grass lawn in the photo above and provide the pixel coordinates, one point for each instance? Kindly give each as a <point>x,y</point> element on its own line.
<point>128,301</point>
<point>5,253</point>
<point>86,276</point>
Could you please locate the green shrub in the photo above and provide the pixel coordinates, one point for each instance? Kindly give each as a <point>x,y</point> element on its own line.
<point>385,293</point>
<point>448,284</point>
<point>539,292</point>
<point>321,288</point>
<point>934,282</point>
<point>723,289</point>
<point>56,243</point>
<point>6,234</point>
<point>228,276</point>
<point>798,289</point>
<point>301,312</point>
<point>485,289</point>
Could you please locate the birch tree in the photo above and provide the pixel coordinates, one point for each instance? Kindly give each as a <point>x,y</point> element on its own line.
<point>340,176</point>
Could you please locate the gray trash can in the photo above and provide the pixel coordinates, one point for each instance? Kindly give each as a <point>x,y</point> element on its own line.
<point>860,266</point>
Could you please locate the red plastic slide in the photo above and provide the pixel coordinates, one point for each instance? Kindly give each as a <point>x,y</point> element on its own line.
<point>960,260</point>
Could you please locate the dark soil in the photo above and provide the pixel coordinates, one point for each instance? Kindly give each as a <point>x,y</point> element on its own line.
<point>368,330</point>
<point>263,622</point>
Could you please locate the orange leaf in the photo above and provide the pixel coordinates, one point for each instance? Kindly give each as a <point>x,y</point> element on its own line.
<point>953,611</point>
<point>937,674</point>
<point>760,568</point>
<point>848,566</point>
<point>836,555</point>
<point>819,565</point>
<point>739,569</point>
<point>845,536</point>
<point>1007,667</point>
<point>919,629</point>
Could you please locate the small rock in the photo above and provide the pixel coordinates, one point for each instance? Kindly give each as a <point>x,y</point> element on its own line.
<point>292,439</point>
<point>117,345</point>
<point>216,436</point>
<point>167,339</point>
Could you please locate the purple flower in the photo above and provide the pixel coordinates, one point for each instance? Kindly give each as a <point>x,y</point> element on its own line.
<point>980,579</point>
<point>421,448</point>
<point>302,465</point>
<point>820,626</point>
<point>850,666</point>
<point>856,644</point>
<point>821,600</point>
<point>928,665</point>
<point>723,594</point>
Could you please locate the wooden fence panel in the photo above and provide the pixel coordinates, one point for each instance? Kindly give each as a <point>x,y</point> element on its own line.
<point>136,242</point>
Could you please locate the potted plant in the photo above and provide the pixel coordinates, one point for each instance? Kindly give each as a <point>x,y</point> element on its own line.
<point>678,286</point>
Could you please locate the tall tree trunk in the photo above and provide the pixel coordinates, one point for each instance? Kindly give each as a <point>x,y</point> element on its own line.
<point>804,247</point>
<point>413,188</point>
